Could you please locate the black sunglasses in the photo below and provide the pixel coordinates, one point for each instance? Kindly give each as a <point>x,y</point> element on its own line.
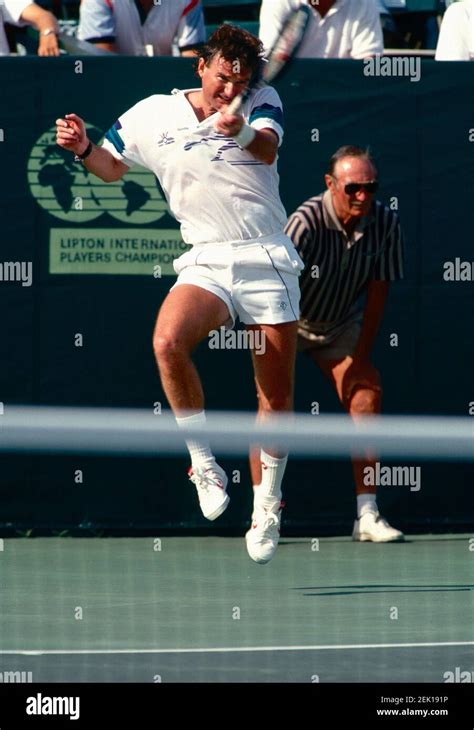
<point>370,187</point>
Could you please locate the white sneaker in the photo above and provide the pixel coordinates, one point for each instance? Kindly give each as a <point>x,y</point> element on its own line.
<point>262,538</point>
<point>371,527</point>
<point>211,483</point>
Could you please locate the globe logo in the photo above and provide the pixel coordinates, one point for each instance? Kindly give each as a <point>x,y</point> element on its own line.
<point>67,190</point>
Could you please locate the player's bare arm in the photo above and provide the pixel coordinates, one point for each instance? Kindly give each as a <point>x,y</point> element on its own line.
<point>71,135</point>
<point>263,147</point>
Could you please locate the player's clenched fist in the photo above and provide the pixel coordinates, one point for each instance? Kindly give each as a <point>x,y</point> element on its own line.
<point>71,134</point>
<point>229,124</point>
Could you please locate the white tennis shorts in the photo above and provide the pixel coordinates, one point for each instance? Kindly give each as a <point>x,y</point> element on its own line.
<point>256,279</point>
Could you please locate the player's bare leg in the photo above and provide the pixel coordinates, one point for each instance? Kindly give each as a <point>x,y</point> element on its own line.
<point>274,380</point>
<point>186,317</point>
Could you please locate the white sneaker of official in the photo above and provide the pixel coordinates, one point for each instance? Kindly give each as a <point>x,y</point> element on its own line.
<point>210,483</point>
<point>372,527</point>
<point>264,533</point>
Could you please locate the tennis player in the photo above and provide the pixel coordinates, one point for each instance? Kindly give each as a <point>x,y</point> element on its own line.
<point>219,174</point>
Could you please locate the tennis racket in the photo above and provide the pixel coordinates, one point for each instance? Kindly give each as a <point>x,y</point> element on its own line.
<point>281,54</point>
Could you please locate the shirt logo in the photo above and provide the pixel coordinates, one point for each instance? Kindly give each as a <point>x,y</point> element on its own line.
<point>229,144</point>
<point>165,139</point>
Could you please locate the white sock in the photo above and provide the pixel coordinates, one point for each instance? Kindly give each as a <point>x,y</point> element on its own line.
<point>200,451</point>
<point>366,503</point>
<point>268,492</point>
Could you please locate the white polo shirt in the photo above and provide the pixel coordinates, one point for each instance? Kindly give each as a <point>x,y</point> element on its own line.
<point>217,190</point>
<point>456,37</point>
<point>122,22</point>
<point>10,12</point>
<point>350,29</point>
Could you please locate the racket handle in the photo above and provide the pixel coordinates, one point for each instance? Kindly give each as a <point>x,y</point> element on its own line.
<point>235,105</point>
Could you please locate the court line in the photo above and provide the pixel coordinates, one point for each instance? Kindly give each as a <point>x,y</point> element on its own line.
<point>232,649</point>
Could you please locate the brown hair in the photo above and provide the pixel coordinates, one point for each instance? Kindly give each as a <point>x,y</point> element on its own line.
<point>234,44</point>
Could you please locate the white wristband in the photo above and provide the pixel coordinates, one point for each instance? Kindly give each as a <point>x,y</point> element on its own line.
<point>246,136</point>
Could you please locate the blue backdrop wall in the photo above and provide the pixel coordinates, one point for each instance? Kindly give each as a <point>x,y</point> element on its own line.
<point>81,333</point>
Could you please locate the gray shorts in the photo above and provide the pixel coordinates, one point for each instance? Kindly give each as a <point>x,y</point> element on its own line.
<point>330,346</point>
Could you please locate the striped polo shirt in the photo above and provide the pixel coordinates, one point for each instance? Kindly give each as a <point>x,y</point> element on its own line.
<point>339,267</point>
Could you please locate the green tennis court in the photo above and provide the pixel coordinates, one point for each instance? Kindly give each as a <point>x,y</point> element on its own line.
<point>192,609</point>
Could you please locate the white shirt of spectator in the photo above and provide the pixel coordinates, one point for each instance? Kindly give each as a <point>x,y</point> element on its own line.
<point>216,190</point>
<point>10,12</point>
<point>120,20</point>
<point>350,29</point>
<point>456,37</point>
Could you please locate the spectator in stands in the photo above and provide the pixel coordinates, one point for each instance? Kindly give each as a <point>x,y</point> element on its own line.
<point>337,28</point>
<point>392,36</point>
<point>20,13</point>
<point>456,38</point>
<point>143,27</point>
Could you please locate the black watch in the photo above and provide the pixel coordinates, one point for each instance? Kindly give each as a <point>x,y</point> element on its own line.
<point>86,153</point>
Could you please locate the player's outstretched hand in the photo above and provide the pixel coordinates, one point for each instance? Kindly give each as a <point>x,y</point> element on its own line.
<point>229,124</point>
<point>71,134</point>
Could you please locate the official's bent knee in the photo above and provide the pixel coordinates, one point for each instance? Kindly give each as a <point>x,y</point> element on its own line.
<point>365,401</point>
